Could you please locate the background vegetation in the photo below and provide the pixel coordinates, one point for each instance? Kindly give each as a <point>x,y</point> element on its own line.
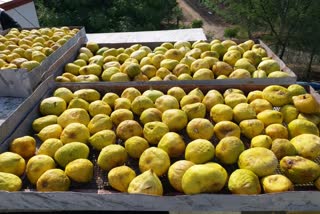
<point>290,27</point>
<point>109,15</point>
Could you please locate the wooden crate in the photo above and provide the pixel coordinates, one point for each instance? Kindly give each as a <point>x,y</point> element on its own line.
<point>292,78</point>
<point>97,195</point>
<point>21,83</point>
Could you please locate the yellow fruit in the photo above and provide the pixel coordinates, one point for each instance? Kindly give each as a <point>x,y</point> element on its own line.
<point>146,183</point>
<point>88,95</point>
<point>99,122</point>
<point>283,147</point>
<point>9,182</point>
<point>173,144</point>
<point>112,156</point>
<point>221,112</point>
<point>73,115</point>
<point>256,94</point>
<point>244,181</point>
<point>130,93</point>
<point>38,56</point>
<point>132,70</point>
<point>296,90</point>
<point>169,64</point>
<point>204,178</point>
<point>189,99</point>
<point>49,147</point>
<point>135,146</point>
<point>155,159</point>
<point>122,103</point>
<point>120,177</point>
<point>228,150</point>
<point>129,128</point>
<point>200,128</point>
<point>166,102</point>
<point>222,68</point>
<point>37,165</point>
<point>260,105</point>
<point>102,138</point>
<point>243,111</point>
<point>269,66</point>
<point>299,169</point>
<point>52,105</point>
<point>251,128</point>
<point>212,98</point>
<point>171,116</point>
<point>50,131</point>
<point>141,103</point>
<point>63,93</point>
<point>277,95</point>
<point>226,128</point>
<point>92,46</point>
<point>78,103</point>
<point>53,180</point>
<point>195,110</point>
<point>70,152</point>
<point>24,146</point>
<point>72,68</point>
<point>300,126</point>
<point>99,107</point>
<point>80,170</point>
<point>231,57</point>
<point>306,103</point>
<point>259,160</point>
<point>75,132</point>
<point>12,163</point>
<point>153,131</point>
<point>199,151</point>
<point>107,73</point>
<point>276,183</point>
<point>120,115</point>
<point>261,141</point>
<point>176,172</point>
<point>315,118</point>
<point>231,91</point>
<point>234,99</point>
<point>240,74</point>
<point>270,117</point>
<point>307,145</point>
<point>110,98</point>
<point>277,131</point>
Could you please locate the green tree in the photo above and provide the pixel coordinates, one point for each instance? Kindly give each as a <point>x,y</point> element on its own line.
<point>108,15</point>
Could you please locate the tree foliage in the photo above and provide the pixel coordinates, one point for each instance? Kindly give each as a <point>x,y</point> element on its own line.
<point>108,15</point>
<point>293,24</point>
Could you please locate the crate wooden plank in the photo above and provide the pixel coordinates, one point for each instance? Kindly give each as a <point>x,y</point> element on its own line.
<point>77,201</point>
<point>21,83</point>
<point>148,36</point>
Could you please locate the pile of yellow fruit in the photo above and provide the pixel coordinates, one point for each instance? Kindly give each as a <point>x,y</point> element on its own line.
<point>199,141</point>
<point>182,60</point>
<point>28,48</point>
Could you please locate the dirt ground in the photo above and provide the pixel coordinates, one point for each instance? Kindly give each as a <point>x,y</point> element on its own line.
<point>213,26</point>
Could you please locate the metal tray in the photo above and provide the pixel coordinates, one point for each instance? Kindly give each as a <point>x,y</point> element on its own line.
<point>21,83</point>
<point>98,195</point>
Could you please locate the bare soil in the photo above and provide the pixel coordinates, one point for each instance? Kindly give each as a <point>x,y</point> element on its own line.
<point>213,26</point>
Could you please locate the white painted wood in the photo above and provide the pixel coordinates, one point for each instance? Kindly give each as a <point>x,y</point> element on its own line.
<point>193,34</point>
<point>25,15</point>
